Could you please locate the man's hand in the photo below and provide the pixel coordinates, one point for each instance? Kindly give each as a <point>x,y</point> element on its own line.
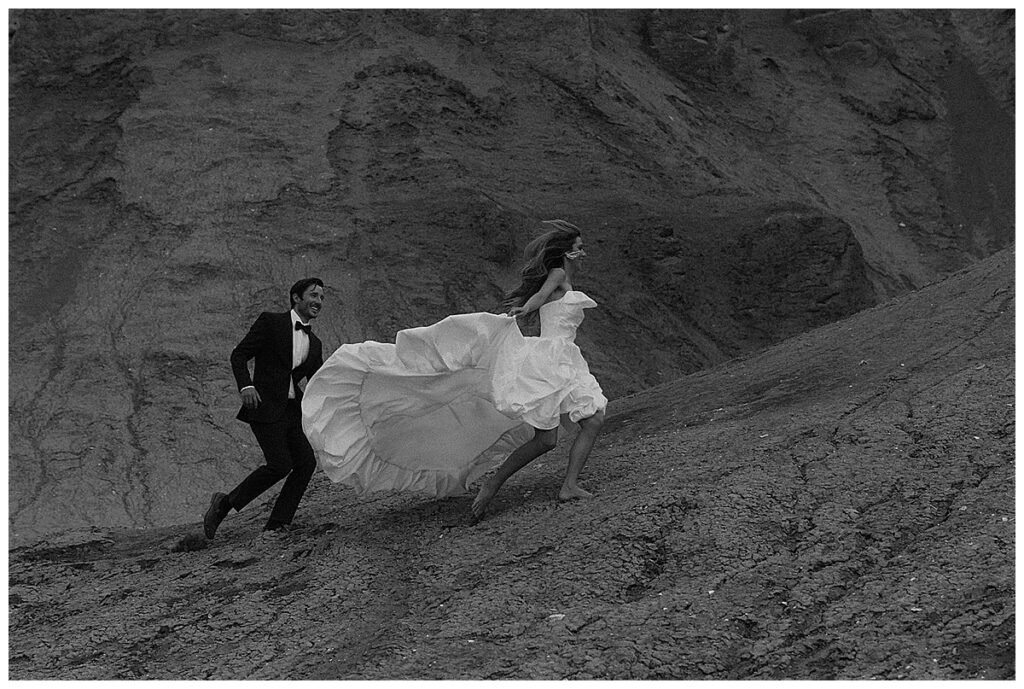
<point>250,398</point>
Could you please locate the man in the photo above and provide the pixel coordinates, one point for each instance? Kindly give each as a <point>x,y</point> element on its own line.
<point>285,351</point>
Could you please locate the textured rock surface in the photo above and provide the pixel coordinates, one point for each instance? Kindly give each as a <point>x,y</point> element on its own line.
<point>743,176</point>
<point>839,506</point>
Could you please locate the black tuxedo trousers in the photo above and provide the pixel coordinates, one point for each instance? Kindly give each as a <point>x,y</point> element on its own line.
<point>288,456</point>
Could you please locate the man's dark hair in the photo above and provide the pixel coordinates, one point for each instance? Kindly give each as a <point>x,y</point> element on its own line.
<point>300,287</point>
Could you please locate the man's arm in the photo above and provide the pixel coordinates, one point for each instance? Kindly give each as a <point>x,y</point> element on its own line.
<point>318,360</point>
<point>253,342</point>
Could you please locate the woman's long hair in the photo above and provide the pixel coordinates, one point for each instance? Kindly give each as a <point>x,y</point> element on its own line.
<point>542,255</point>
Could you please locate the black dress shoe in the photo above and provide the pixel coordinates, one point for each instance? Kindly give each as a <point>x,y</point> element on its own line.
<point>218,509</point>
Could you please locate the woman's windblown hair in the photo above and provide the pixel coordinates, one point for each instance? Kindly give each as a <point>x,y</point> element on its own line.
<point>542,254</point>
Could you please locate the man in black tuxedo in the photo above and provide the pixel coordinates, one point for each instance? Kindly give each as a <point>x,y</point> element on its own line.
<point>285,351</point>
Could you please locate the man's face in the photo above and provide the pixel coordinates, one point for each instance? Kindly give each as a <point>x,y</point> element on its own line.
<point>308,307</point>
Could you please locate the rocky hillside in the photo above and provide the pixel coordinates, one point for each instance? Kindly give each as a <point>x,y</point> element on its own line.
<point>743,176</point>
<point>839,506</point>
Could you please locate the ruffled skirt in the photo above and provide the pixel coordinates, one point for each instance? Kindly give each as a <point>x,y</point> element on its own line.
<point>443,405</point>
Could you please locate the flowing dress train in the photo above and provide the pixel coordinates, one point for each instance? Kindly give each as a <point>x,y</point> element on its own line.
<point>447,402</point>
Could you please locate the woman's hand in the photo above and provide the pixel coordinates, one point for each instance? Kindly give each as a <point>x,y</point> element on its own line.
<point>516,311</point>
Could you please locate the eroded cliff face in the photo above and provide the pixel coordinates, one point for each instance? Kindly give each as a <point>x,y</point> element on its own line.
<point>742,176</point>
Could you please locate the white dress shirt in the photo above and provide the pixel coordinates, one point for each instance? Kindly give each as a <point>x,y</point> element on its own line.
<point>300,349</point>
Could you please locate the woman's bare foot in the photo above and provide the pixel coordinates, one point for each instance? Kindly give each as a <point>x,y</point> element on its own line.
<point>482,499</point>
<point>572,493</point>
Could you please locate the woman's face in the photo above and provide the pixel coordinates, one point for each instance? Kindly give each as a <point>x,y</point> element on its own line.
<point>577,250</point>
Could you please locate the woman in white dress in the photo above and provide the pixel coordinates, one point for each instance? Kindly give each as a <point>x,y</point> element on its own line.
<point>446,403</point>
<point>552,263</point>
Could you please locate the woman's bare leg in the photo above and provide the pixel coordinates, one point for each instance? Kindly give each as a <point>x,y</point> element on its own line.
<point>542,442</point>
<point>589,428</point>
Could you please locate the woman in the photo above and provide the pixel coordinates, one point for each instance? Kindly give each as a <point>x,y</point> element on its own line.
<point>557,363</point>
<point>448,402</point>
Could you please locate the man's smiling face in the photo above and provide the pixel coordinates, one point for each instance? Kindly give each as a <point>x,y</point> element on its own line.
<point>308,307</point>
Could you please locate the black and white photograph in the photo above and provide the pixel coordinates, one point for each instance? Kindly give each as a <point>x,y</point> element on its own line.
<point>524,343</point>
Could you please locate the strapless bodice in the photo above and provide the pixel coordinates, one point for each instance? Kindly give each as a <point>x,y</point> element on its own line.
<point>559,319</point>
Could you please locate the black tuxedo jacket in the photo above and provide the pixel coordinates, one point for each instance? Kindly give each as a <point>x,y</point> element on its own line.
<point>269,343</point>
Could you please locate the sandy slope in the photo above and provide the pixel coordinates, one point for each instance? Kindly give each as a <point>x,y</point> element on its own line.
<point>837,506</point>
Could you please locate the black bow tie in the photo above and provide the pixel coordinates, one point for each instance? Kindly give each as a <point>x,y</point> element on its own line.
<point>307,328</point>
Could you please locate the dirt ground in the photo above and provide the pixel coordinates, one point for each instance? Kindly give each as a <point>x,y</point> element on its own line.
<point>840,506</point>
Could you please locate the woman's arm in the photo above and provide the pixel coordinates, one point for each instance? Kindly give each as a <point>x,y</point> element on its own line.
<point>540,297</point>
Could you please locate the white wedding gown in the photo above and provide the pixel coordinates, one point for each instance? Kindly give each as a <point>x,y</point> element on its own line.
<point>447,402</point>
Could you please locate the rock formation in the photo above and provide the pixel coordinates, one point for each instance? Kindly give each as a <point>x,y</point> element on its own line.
<point>838,506</point>
<point>743,176</point>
